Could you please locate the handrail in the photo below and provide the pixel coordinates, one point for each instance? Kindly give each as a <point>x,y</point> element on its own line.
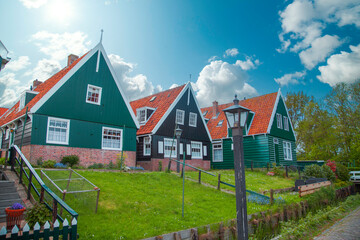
<point>44,188</point>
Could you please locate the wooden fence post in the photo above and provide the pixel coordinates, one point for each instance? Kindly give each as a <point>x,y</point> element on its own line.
<point>219,179</point>
<point>54,210</point>
<point>287,170</point>
<point>252,165</point>
<point>271,196</point>
<point>42,195</point>
<point>298,168</point>
<point>12,158</point>
<point>268,166</point>
<point>199,177</point>
<point>21,170</point>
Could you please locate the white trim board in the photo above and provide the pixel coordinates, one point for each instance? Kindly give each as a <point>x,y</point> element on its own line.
<point>273,112</point>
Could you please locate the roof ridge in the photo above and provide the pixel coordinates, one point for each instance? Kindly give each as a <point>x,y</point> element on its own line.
<point>155,94</point>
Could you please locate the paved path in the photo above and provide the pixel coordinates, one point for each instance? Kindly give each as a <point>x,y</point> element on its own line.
<point>347,228</point>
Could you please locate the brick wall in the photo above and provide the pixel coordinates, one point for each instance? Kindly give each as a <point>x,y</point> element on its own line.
<point>153,164</point>
<point>87,156</point>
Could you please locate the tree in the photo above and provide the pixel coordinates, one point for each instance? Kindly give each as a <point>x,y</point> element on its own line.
<point>296,103</point>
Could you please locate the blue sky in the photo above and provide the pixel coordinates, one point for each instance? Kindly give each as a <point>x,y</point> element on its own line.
<point>245,47</point>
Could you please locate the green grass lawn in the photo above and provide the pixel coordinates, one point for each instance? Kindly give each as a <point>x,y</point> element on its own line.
<point>140,205</point>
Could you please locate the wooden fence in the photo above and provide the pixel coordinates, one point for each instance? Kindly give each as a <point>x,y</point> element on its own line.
<point>66,233</point>
<point>311,188</point>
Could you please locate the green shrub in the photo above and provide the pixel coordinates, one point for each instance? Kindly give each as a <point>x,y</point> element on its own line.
<point>160,166</point>
<point>39,161</point>
<point>2,161</point>
<point>49,164</point>
<point>342,172</point>
<point>313,170</point>
<point>70,160</point>
<point>340,184</point>
<point>96,166</point>
<point>325,194</point>
<point>328,173</point>
<point>354,168</point>
<point>38,213</point>
<point>111,165</point>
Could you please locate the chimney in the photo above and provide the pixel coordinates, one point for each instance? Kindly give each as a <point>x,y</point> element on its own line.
<point>72,58</point>
<point>36,83</point>
<point>215,109</point>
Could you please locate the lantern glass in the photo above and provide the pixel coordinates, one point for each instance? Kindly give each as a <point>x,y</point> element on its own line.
<point>178,132</point>
<point>243,118</point>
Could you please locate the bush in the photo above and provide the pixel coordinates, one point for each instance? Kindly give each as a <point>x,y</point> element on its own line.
<point>354,168</point>
<point>120,161</point>
<point>2,161</point>
<point>325,194</point>
<point>59,165</point>
<point>332,165</point>
<point>313,170</point>
<point>70,160</point>
<point>160,166</point>
<point>96,166</point>
<point>49,164</point>
<point>342,172</point>
<point>39,161</point>
<point>38,213</point>
<point>111,165</point>
<point>328,173</point>
<point>341,184</point>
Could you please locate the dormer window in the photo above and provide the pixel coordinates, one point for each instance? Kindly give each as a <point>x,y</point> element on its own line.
<point>204,113</point>
<point>143,114</point>
<point>220,123</point>
<point>93,94</point>
<point>153,98</point>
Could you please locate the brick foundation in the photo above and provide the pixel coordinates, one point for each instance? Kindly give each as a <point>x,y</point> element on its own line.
<point>87,156</point>
<point>153,164</point>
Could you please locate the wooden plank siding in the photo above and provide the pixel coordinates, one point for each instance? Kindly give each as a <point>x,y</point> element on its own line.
<point>27,133</point>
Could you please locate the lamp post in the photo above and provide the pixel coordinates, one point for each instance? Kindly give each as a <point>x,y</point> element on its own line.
<point>236,117</point>
<point>178,132</point>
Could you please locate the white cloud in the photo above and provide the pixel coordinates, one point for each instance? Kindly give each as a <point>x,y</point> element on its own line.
<point>134,87</point>
<point>213,58</point>
<point>174,85</point>
<point>33,3</point>
<point>320,49</point>
<point>8,79</point>
<point>59,46</point>
<point>44,69</point>
<point>18,64</point>
<point>290,78</point>
<point>231,52</point>
<point>220,81</point>
<point>248,64</point>
<point>8,97</point>
<point>343,67</point>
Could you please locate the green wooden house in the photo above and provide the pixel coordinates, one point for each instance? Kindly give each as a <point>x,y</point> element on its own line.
<point>268,136</point>
<point>80,110</point>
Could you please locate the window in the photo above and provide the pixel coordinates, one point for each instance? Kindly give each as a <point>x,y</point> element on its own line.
<point>147,146</point>
<point>141,115</point>
<point>220,123</point>
<point>286,123</point>
<point>205,150</point>
<point>58,131</point>
<point>160,147</point>
<point>170,147</point>
<point>93,94</point>
<point>192,119</point>
<point>153,98</point>
<point>279,120</point>
<point>180,115</point>
<point>111,138</point>
<point>287,150</point>
<point>217,152</point>
<point>7,133</point>
<point>204,113</point>
<point>196,150</point>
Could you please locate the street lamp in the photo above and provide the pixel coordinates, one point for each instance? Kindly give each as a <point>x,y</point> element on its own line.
<point>236,117</point>
<point>178,132</point>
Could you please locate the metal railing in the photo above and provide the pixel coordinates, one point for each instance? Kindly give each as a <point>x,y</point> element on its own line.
<point>29,177</point>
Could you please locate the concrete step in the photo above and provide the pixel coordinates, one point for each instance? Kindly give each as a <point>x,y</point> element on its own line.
<point>10,202</point>
<point>7,190</point>
<point>8,195</point>
<point>5,184</point>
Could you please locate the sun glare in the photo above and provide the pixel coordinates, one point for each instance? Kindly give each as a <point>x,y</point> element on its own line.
<point>60,11</point>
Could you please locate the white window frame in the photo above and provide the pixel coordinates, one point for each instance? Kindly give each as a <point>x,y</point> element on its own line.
<point>138,115</point>
<point>121,138</point>
<point>7,133</point>
<point>287,151</point>
<point>147,145</point>
<point>181,148</point>
<point>160,147</point>
<point>286,123</point>
<point>192,147</point>
<point>220,123</point>
<point>279,121</point>
<point>87,94</point>
<point>168,142</point>
<point>67,131</point>
<point>178,112</point>
<point>192,119</point>
<point>205,150</point>
<point>221,149</point>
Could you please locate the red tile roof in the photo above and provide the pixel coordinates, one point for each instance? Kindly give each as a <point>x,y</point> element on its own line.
<point>162,102</point>
<point>42,89</point>
<point>262,106</point>
<point>2,111</point>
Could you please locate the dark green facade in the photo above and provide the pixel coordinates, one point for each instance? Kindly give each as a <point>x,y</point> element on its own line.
<point>261,149</point>
<point>87,119</point>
